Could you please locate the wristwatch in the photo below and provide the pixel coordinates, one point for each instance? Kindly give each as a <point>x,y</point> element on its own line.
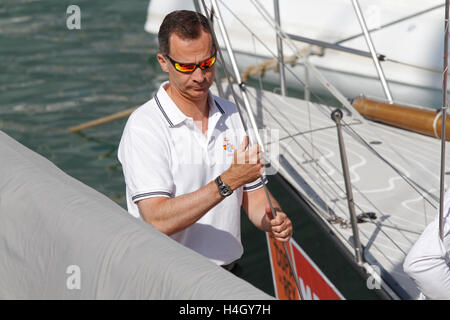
<point>224,189</point>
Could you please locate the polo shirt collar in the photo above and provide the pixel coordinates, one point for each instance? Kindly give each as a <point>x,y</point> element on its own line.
<point>173,115</point>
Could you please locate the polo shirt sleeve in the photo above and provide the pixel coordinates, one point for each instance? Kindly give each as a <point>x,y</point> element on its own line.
<point>145,158</point>
<point>255,184</point>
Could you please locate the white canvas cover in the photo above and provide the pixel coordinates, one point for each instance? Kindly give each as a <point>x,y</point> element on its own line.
<point>60,239</point>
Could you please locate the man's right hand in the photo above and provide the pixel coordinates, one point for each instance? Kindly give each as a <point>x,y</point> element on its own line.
<point>247,166</point>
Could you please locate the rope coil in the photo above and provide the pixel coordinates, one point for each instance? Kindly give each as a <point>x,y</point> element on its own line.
<point>273,64</point>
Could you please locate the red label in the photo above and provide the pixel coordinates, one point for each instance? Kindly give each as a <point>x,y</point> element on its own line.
<point>314,285</point>
<point>284,281</point>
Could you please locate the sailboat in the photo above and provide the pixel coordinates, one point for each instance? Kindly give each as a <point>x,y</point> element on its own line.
<point>406,34</point>
<point>369,169</point>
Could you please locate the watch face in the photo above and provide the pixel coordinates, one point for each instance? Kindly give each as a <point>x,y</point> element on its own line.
<point>225,191</point>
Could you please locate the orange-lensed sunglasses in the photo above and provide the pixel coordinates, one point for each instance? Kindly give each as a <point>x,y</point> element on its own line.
<point>191,67</point>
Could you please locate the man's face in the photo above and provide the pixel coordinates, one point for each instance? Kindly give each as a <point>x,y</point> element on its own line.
<point>195,85</point>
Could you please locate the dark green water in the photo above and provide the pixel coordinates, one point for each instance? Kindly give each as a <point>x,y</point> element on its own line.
<point>52,78</point>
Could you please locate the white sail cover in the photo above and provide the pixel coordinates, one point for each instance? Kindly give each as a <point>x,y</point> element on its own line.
<point>60,239</point>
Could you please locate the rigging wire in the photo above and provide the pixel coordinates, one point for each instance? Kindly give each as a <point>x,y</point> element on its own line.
<point>242,87</point>
<point>351,132</point>
<point>443,130</point>
<point>412,183</point>
<point>391,23</point>
<point>294,75</point>
<point>338,196</point>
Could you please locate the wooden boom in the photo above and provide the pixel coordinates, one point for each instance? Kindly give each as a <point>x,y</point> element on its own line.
<point>424,121</point>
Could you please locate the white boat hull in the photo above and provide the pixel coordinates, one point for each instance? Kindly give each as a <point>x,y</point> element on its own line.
<point>418,42</point>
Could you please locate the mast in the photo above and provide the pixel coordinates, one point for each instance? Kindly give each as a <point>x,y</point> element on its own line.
<point>444,116</point>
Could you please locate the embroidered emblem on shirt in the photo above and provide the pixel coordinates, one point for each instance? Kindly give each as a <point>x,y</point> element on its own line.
<point>227,145</point>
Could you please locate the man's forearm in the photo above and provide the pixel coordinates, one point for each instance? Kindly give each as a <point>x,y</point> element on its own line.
<point>265,222</point>
<point>174,215</point>
<point>255,204</point>
<point>257,207</point>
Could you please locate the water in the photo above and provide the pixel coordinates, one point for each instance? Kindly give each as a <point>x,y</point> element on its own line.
<point>52,78</point>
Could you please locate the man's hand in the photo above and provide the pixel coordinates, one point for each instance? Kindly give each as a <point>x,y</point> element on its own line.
<point>247,166</point>
<point>281,225</point>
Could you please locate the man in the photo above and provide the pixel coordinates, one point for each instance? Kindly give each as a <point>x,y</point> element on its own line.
<point>184,153</point>
<point>428,261</point>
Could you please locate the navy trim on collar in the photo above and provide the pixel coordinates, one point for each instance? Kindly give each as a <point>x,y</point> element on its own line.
<point>162,110</point>
<point>218,106</point>
<point>167,117</point>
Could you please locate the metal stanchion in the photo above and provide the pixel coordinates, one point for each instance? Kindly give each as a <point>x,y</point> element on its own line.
<point>337,116</point>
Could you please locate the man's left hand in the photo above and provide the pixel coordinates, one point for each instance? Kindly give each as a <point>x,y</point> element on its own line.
<point>281,225</point>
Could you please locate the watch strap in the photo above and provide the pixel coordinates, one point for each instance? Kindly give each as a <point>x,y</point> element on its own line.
<point>224,189</point>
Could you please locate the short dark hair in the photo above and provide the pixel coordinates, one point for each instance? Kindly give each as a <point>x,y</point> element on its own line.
<point>186,24</point>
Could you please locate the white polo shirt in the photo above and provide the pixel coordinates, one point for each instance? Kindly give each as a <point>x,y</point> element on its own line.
<point>164,154</point>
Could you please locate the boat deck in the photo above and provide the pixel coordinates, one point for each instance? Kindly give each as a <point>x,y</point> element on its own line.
<point>394,174</point>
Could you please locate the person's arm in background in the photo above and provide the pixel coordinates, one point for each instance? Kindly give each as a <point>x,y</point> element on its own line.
<point>427,263</point>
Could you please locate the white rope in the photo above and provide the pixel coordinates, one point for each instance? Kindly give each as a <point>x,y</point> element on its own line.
<point>438,115</point>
